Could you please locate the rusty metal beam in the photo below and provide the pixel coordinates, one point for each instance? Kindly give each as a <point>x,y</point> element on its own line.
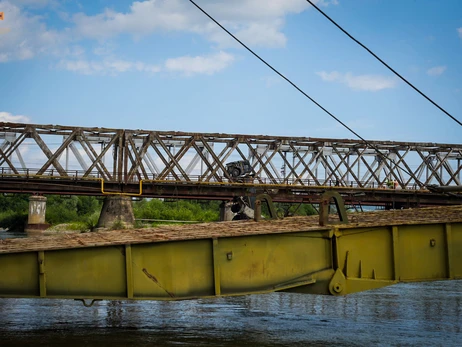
<point>330,160</point>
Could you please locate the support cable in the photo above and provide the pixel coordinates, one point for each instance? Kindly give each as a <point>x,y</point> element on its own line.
<point>301,91</point>
<point>385,64</point>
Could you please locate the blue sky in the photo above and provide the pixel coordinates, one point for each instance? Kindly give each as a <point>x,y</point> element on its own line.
<point>162,65</point>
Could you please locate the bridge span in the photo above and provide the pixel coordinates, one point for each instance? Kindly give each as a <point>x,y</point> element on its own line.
<point>371,250</point>
<point>100,161</point>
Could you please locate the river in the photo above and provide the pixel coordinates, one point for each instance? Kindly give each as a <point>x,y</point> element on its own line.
<point>417,314</point>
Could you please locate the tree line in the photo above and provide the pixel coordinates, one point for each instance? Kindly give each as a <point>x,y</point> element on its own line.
<point>82,212</point>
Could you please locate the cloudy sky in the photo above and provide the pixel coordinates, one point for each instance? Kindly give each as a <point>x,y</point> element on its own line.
<point>162,65</point>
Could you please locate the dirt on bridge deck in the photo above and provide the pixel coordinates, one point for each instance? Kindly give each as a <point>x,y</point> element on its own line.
<point>452,214</point>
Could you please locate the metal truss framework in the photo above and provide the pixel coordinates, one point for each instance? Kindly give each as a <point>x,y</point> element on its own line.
<point>128,156</point>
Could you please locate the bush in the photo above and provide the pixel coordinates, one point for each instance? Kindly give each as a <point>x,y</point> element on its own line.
<point>13,221</point>
<point>90,221</point>
<point>177,210</point>
<point>84,209</point>
<point>61,210</point>
<point>118,225</point>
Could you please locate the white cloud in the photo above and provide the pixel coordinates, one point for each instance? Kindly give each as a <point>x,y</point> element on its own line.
<point>105,49</point>
<point>8,117</point>
<point>257,22</point>
<point>460,32</point>
<point>436,71</point>
<point>326,3</point>
<point>330,76</point>
<point>186,65</point>
<point>360,82</point>
<point>263,34</point>
<point>24,36</point>
<point>106,67</point>
<point>200,64</point>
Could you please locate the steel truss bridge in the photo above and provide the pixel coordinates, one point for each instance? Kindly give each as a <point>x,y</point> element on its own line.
<point>52,159</point>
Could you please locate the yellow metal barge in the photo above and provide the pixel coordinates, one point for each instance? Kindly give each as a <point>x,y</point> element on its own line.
<point>373,250</point>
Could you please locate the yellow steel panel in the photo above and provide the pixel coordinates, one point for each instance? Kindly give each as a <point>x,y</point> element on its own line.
<point>422,252</point>
<point>173,269</point>
<point>86,272</point>
<point>302,262</point>
<point>456,231</point>
<point>19,274</point>
<point>256,263</point>
<point>370,252</point>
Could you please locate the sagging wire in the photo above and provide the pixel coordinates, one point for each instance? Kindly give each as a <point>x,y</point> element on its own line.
<point>305,94</point>
<point>384,63</point>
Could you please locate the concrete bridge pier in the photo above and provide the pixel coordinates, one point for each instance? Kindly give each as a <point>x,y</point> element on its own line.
<point>117,213</point>
<point>36,218</point>
<point>225,211</point>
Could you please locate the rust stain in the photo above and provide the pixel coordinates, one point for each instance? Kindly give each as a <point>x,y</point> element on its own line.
<point>254,269</point>
<point>156,281</point>
<point>169,293</point>
<point>150,276</point>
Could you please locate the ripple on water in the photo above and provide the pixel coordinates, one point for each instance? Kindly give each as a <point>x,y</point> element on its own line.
<point>418,314</point>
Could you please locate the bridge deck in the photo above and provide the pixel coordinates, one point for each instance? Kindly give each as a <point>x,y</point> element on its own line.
<point>418,216</point>
<point>375,249</point>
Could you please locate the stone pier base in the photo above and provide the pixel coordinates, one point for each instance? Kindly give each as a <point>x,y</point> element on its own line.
<point>225,211</point>
<point>117,213</point>
<point>36,219</point>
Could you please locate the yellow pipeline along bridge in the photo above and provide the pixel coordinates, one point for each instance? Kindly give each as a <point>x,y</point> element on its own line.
<point>373,250</point>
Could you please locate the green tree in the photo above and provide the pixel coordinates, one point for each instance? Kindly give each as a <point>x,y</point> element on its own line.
<point>13,211</point>
<point>64,209</point>
<point>87,205</point>
<point>177,210</point>
<point>61,209</point>
<point>14,202</point>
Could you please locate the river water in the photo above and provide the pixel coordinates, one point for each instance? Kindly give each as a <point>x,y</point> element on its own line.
<point>411,314</point>
<point>418,314</point>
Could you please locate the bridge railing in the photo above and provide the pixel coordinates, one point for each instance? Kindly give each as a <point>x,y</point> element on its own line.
<point>153,178</point>
<point>127,156</point>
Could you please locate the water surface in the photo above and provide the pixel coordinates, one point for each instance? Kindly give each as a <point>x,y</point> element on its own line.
<point>418,314</point>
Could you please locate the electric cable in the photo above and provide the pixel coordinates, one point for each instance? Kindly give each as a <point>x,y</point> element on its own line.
<point>277,72</point>
<point>301,91</point>
<point>384,63</point>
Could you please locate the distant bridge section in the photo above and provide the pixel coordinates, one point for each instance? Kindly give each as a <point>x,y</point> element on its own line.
<point>80,160</point>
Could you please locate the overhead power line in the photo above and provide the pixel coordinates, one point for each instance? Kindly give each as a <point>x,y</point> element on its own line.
<point>298,88</point>
<point>385,64</point>
<point>276,71</point>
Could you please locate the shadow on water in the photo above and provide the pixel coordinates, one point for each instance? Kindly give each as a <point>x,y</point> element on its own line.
<point>425,314</point>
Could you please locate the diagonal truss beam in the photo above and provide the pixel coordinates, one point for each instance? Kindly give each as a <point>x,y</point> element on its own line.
<point>140,155</point>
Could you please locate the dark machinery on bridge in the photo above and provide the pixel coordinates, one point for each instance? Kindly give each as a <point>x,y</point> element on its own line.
<point>239,169</point>
<point>242,207</point>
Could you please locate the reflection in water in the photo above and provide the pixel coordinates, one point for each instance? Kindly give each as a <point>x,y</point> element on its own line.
<point>426,314</point>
